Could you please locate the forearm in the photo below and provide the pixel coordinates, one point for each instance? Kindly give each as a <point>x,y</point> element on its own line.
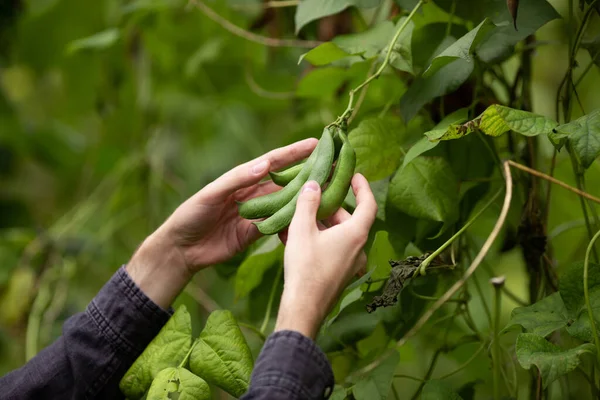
<point>96,348</point>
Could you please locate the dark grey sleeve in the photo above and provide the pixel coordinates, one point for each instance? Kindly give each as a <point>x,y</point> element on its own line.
<point>290,366</point>
<point>96,348</point>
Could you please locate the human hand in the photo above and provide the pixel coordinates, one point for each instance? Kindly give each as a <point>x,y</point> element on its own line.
<point>207,229</point>
<point>319,263</point>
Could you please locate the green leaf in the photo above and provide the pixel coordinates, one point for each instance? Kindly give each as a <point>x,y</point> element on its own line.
<point>497,120</point>
<point>426,188</point>
<point>462,48</point>
<point>98,41</point>
<point>366,44</point>
<point>593,47</point>
<point>533,14</point>
<point>571,292</point>
<point>167,349</point>
<point>380,254</point>
<point>551,360</point>
<point>541,318</point>
<point>324,54</point>
<point>178,383</point>
<point>321,82</point>
<point>251,271</point>
<point>439,390</point>
<point>424,89</point>
<point>222,356</point>
<point>377,385</point>
<point>378,146</point>
<point>310,10</point>
<point>429,40</point>
<point>401,56</point>
<point>425,144</point>
<point>352,296</point>
<point>583,135</point>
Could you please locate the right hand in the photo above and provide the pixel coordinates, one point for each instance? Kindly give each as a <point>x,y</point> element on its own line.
<point>319,263</point>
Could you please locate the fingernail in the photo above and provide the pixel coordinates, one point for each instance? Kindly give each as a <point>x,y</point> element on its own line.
<point>311,186</point>
<point>260,167</point>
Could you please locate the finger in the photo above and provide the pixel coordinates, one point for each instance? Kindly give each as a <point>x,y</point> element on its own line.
<point>304,221</point>
<point>360,265</point>
<point>253,171</point>
<point>260,189</point>
<point>366,206</point>
<point>322,225</point>
<point>340,216</point>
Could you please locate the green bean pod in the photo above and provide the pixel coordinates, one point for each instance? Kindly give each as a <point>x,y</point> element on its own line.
<point>282,178</point>
<point>266,206</point>
<point>320,172</point>
<point>336,192</point>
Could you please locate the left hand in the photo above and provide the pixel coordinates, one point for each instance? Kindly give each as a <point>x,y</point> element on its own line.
<point>207,229</point>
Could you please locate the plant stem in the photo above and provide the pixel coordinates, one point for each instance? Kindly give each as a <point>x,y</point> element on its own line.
<point>187,356</point>
<point>263,327</point>
<point>586,293</point>
<point>466,226</point>
<point>582,202</point>
<point>382,67</point>
<point>465,364</point>
<point>251,36</point>
<point>436,355</point>
<point>498,283</point>
<point>253,329</point>
<point>553,180</point>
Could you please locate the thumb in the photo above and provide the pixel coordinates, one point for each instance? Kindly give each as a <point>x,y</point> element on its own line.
<point>305,217</point>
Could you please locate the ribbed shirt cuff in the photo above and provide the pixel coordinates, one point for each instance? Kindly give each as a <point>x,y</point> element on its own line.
<point>293,362</point>
<point>125,316</point>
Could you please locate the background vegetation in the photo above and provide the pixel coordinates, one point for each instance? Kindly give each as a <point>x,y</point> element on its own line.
<point>113,112</point>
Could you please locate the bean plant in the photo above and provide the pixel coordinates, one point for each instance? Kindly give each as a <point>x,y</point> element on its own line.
<point>483,276</point>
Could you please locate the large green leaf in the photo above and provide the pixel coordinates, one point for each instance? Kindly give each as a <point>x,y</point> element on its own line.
<point>426,188</point>
<point>462,48</point>
<point>551,360</point>
<point>541,318</point>
<point>222,356</point>
<point>380,254</point>
<point>251,271</point>
<point>583,135</point>
<point>497,120</point>
<point>424,89</point>
<point>571,292</point>
<point>310,10</point>
<point>439,390</point>
<point>377,385</point>
<point>378,146</point>
<point>178,383</point>
<point>167,349</point>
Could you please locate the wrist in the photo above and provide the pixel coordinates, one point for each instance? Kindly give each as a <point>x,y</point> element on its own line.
<point>158,269</point>
<point>300,313</point>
